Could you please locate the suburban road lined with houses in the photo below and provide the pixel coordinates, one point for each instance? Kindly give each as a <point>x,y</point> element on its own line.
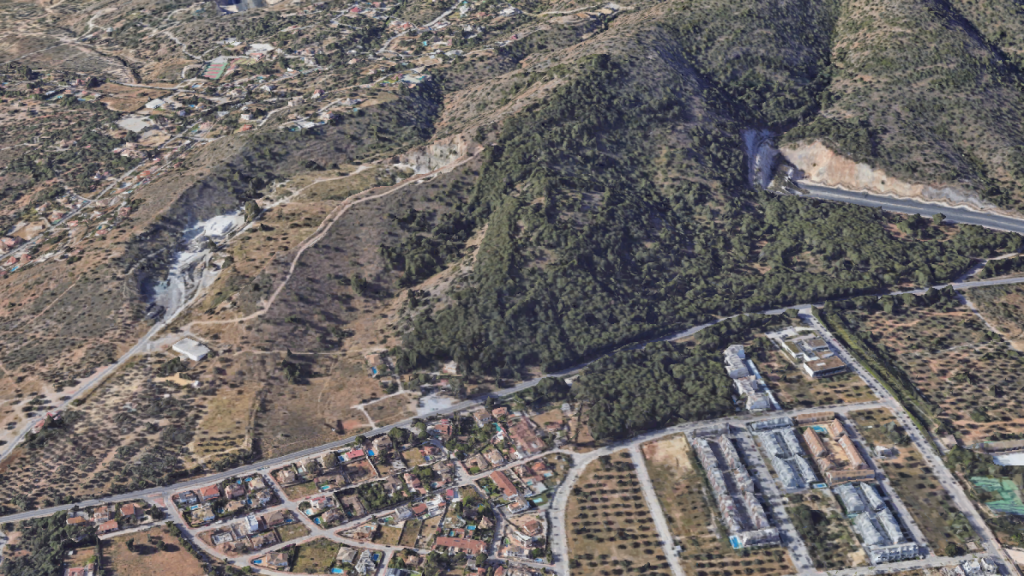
<point>558,536</point>
<point>909,206</point>
<point>461,406</point>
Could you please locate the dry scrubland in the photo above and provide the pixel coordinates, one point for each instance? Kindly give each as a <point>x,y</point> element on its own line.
<point>129,433</point>
<point>840,548</point>
<point>915,484</point>
<point>393,409</point>
<point>693,519</point>
<point>308,411</point>
<point>900,122</point>
<point>572,97</point>
<point>1003,309</point>
<point>971,374</point>
<point>147,559</point>
<point>316,557</point>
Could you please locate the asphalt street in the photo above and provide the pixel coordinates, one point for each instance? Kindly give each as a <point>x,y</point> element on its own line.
<point>657,513</point>
<point>908,206</point>
<point>274,462</point>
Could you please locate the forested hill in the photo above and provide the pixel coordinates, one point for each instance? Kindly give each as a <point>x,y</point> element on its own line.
<point>616,207</point>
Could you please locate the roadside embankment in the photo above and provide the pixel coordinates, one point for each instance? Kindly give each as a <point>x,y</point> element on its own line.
<point>821,165</point>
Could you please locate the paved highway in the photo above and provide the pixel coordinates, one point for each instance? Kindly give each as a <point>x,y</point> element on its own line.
<point>907,206</point>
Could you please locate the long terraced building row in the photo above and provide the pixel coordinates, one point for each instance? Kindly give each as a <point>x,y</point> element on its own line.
<point>748,524</point>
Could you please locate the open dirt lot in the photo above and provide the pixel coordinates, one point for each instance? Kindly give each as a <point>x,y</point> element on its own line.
<point>127,98</point>
<point>316,557</point>
<point>147,560</point>
<point>410,533</point>
<point>292,531</point>
<point>388,536</point>
<point>390,410</point>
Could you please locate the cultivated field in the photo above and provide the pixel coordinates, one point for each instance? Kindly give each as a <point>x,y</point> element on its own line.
<point>127,434</point>
<point>916,485</point>
<point>971,375</point>
<point>611,524</point>
<point>694,525</point>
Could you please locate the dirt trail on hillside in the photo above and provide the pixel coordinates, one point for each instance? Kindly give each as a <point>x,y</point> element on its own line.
<point>322,231</point>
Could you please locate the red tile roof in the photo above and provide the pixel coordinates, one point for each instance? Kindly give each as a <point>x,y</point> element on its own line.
<point>506,485</point>
<point>107,526</point>
<point>209,492</point>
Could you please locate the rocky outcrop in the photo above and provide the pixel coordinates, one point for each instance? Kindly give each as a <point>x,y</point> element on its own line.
<point>821,165</point>
<point>428,158</point>
<point>761,155</point>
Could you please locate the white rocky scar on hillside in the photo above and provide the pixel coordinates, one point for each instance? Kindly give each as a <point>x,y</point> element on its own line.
<point>428,158</point>
<point>820,165</point>
<point>761,155</point>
